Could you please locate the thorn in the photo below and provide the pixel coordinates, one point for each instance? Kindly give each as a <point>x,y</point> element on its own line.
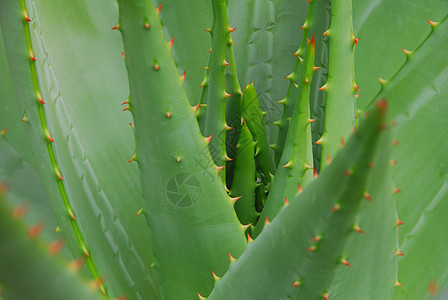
<point>168,114</point>
<point>227,95</point>
<point>139,211</point>
<point>297,283</point>
<point>116,27</point>
<point>39,97</point>
<point>128,107</point>
<point>299,188</point>
<point>85,251</point>
<point>312,41</point>
<point>159,8</point>
<point>56,247</point>
<point>125,102</point>
<point>355,40</point>
<point>122,54</point>
<point>398,222</point>
<point>266,221</point>
<point>286,203</point>
<point>76,264</point>
<point>232,259</point>
<point>368,197</point>
<point>249,238</point>
<point>183,75</point>
<point>315,174</point>
<point>397,283</point>
<point>220,168</point>
<point>328,159</point>
<point>382,81</point>
<point>399,253</point>
<point>288,164</point>
<point>356,87</point>
<point>317,238</point>
<point>316,68</point>
<point>171,43</point>
<point>319,141</point>
<point>58,173</point>
<point>208,30</point>
<point>344,262</point>
<point>327,33</point>
<point>231,29</point>
<point>312,248</point>
<point>25,118</point>
<point>3,132</point>
<point>357,228</point>
<point>48,136</point>
<point>234,199</point>
<point>226,63</point>
<point>20,211</point>
<point>96,283</point>
<point>336,207</point>
<point>132,125</point>
<point>433,24</point>
<point>323,88</point>
<point>156,67</point>
<point>306,81</point>
<point>210,51</point>
<point>396,191</point>
<point>132,158</point>
<point>311,120</point>
<point>308,167</point>
<point>407,52</point>
<point>326,296</point>
<point>71,213</point>
<point>342,142</point>
<point>215,277</point>
<point>201,297</point>
<point>196,107</point>
<point>25,16</point>
<point>146,25</point>
<point>35,230</point>
<point>57,229</point>
<point>393,162</point>
<point>178,159</point>
<point>208,139</point>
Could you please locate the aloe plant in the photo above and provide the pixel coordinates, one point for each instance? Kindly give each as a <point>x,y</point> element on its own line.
<point>223,149</point>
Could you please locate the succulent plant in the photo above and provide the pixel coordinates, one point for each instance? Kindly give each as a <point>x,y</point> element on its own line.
<point>263,159</point>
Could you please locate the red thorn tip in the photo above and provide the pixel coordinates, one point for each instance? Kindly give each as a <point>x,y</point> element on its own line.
<point>393,162</point>
<point>367,196</point>
<point>183,75</point>
<point>397,283</point>
<point>317,238</point>
<point>266,221</point>
<point>312,41</point>
<point>208,139</point>
<point>323,88</point>
<point>232,259</point>
<point>35,230</point>
<point>20,211</point>
<point>25,16</point>
<point>396,191</point>
<point>178,159</point>
<point>122,54</point>
<point>432,23</point>
<point>316,68</point>
<point>312,248</point>
<point>139,211</point>
<point>49,138</point>
<point>59,175</point>
<point>232,29</point>
<point>128,107</point>
<point>296,283</point>
<point>433,288</point>
<point>335,208</point>
<point>355,40</point>
<point>156,67</point>
<point>345,262</point>
<point>40,99</point>
<point>201,297</point>
<point>147,25</point>
<point>306,81</point>
<point>399,253</point>
<point>342,142</point>
<point>168,115</point>
<point>326,33</point>
<point>249,238</point>
<point>132,158</point>
<point>358,229</point>
<point>32,56</point>
<point>210,51</point>
<point>299,188</point>
<point>196,107</point>
<point>24,119</point>
<point>348,173</point>
<point>227,95</point>
<point>159,8</point>
<point>286,203</point>
<point>116,27</point>
<point>125,102</point>
<point>171,42</point>
<point>56,247</point>
<point>220,168</point>
<point>234,199</point>
<point>3,132</point>
<point>399,222</point>
<point>311,120</point>
<point>216,277</point>
<point>315,174</point>
<point>132,125</point>
<point>326,296</point>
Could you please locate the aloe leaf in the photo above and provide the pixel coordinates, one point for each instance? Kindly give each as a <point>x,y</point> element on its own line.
<point>183,22</point>
<point>399,25</point>
<point>67,77</point>
<point>417,94</point>
<point>267,36</point>
<point>297,157</point>
<point>28,270</point>
<point>340,87</point>
<point>9,114</point>
<point>324,212</point>
<point>192,223</point>
<point>243,187</point>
